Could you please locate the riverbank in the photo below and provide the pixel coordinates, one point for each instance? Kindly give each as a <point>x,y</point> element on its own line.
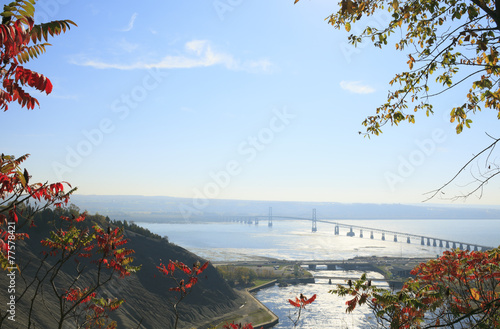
<point>394,269</point>
<point>251,311</point>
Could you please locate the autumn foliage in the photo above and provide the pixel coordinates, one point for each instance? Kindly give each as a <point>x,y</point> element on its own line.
<point>21,40</point>
<point>302,301</point>
<point>459,288</point>
<point>15,190</point>
<point>182,285</point>
<point>237,326</point>
<point>20,199</point>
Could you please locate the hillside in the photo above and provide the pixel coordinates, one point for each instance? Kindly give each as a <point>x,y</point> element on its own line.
<point>146,293</point>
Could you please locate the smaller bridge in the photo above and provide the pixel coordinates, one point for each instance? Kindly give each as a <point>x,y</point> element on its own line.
<point>331,277</point>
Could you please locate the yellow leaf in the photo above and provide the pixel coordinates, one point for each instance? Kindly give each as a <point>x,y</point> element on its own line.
<point>347,27</point>
<point>475,294</point>
<point>395,4</point>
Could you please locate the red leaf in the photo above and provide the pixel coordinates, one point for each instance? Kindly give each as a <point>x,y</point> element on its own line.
<point>294,303</point>
<point>202,268</point>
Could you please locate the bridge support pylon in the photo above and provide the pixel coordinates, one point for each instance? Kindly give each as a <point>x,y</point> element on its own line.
<point>395,238</point>
<point>360,233</point>
<point>314,224</point>
<point>423,241</point>
<point>337,230</point>
<point>408,240</point>
<point>383,236</point>
<point>428,241</point>
<point>434,244</point>
<point>371,235</point>
<point>270,217</point>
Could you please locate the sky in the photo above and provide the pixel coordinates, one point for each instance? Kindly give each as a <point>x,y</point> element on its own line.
<point>231,99</point>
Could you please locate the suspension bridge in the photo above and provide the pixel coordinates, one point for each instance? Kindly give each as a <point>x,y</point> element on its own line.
<point>352,230</point>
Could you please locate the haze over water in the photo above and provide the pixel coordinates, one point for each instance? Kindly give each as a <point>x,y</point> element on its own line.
<point>293,240</point>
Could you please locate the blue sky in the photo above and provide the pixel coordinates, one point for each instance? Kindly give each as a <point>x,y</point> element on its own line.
<point>233,99</point>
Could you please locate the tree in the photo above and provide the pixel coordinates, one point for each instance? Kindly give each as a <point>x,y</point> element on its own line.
<point>299,303</point>
<point>450,43</point>
<point>74,299</point>
<point>181,286</point>
<point>21,40</point>
<point>19,37</point>
<point>458,290</point>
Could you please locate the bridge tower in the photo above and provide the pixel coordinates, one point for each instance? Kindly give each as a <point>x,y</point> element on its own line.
<point>270,218</point>
<point>314,226</point>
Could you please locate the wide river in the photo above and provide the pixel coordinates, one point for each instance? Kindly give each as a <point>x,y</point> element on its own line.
<point>293,240</point>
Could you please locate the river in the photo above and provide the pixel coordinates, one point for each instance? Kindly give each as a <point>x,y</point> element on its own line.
<point>293,240</point>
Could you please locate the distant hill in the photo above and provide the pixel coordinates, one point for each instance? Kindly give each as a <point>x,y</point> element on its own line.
<point>146,293</point>
<point>160,209</point>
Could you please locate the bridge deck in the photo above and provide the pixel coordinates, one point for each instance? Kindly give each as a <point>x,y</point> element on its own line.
<point>376,230</point>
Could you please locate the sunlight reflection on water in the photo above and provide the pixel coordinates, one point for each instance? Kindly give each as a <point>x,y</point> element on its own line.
<point>327,311</point>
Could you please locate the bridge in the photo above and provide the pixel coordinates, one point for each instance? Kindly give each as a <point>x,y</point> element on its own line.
<point>364,231</point>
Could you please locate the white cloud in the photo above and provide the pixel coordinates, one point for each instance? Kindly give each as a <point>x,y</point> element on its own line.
<point>356,87</point>
<point>197,53</point>
<point>130,23</point>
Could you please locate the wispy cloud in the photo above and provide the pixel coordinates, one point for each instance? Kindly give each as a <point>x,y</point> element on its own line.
<point>127,46</point>
<point>130,23</point>
<point>356,87</point>
<point>197,53</point>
